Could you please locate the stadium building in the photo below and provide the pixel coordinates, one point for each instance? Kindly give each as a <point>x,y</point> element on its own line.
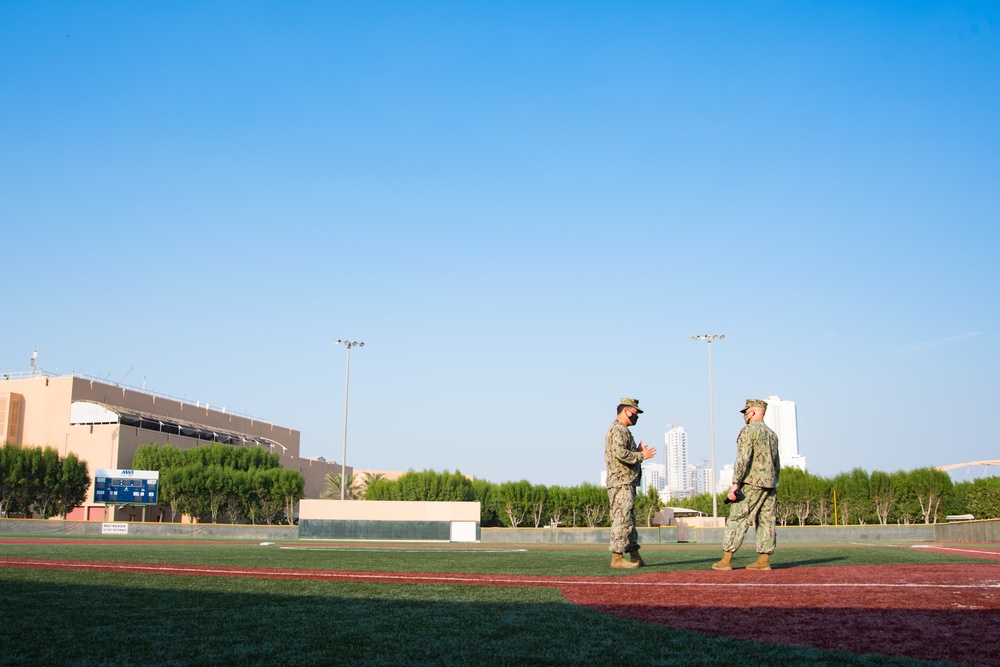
<point>104,424</point>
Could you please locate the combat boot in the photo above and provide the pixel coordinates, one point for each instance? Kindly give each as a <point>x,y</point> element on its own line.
<point>763,563</point>
<point>726,563</point>
<point>636,558</point>
<point>618,562</point>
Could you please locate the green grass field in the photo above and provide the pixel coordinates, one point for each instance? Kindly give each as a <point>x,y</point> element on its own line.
<point>74,618</point>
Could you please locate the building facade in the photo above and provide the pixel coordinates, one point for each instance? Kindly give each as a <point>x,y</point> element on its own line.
<point>781,417</point>
<point>676,453</point>
<point>105,424</point>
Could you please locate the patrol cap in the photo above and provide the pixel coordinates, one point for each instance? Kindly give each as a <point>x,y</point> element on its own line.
<point>754,403</point>
<point>630,402</point>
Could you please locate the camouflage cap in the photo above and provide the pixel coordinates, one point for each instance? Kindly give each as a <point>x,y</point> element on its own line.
<point>632,403</point>
<point>754,403</point>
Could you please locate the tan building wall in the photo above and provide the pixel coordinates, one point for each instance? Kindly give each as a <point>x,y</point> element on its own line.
<point>45,405</point>
<point>388,510</point>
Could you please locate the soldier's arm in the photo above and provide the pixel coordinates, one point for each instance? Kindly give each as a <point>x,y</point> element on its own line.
<point>620,449</point>
<point>744,456</point>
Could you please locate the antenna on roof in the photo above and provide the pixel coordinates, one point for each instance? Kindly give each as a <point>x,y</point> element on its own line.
<point>34,355</point>
<point>118,384</point>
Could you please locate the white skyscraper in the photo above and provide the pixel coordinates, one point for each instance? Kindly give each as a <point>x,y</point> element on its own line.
<point>702,479</point>
<point>676,452</point>
<point>780,416</point>
<point>654,475</point>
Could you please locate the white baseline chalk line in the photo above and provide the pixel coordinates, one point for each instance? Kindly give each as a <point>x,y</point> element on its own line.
<point>961,551</point>
<point>304,574</point>
<point>465,550</point>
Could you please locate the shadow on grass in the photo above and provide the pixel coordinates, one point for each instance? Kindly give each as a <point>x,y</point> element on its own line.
<point>107,618</point>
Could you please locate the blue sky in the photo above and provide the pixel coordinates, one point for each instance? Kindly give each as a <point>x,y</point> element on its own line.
<point>525,210</point>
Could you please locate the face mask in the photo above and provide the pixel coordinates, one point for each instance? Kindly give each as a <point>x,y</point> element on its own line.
<point>634,418</point>
<point>746,417</point>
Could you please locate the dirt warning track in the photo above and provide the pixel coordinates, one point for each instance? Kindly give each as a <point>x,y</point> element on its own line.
<point>929,612</point>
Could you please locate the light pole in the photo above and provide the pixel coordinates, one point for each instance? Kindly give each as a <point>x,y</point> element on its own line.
<point>708,338</point>
<point>347,388</point>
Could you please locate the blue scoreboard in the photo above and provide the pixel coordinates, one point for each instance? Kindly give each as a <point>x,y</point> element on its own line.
<point>126,487</point>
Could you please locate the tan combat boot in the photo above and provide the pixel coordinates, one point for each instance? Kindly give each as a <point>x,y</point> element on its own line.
<point>763,563</point>
<point>618,562</point>
<point>726,563</point>
<point>636,558</point>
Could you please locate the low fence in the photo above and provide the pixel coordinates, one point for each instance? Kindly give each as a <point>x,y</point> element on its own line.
<point>663,535</point>
<point>713,535</point>
<point>982,532</point>
<point>204,531</point>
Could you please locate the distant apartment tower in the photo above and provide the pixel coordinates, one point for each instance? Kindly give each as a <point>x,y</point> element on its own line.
<point>702,477</point>
<point>676,452</point>
<point>780,416</point>
<point>654,475</point>
<point>725,478</point>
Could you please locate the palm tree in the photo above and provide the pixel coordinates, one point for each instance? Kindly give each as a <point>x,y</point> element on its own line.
<point>371,478</point>
<point>331,491</point>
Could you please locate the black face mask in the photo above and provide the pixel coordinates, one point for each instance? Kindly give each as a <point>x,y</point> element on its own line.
<point>634,418</point>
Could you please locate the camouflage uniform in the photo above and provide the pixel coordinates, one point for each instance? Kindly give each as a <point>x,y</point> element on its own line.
<point>756,471</point>
<point>624,460</point>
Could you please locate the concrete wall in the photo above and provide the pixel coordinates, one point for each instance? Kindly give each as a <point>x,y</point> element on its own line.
<point>712,536</point>
<point>161,530</point>
<point>665,535</point>
<point>388,520</point>
<point>387,510</point>
<point>982,532</point>
<point>825,534</point>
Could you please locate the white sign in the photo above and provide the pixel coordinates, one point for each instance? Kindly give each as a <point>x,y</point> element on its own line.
<point>114,529</point>
<point>141,474</point>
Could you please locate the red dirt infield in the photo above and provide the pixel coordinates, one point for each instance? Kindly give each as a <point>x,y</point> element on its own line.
<point>929,612</point>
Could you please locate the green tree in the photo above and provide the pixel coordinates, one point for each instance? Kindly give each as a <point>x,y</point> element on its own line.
<point>46,496</point>
<point>538,497</point>
<point>369,479</point>
<point>795,495</point>
<point>489,506</point>
<point>559,502</point>
<point>331,489</point>
<point>853,497</point>
<point>74,478</point>
<point>290,488</point>
<point>822,493</point>
<point>931,486</point>
<point>515,499</point>
<point>595,504</point>
<point>984,498</point>
<point>647,505</point>
<point>883,491</point>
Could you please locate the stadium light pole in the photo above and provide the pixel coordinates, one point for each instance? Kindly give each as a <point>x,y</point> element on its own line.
<point>347,388</point>
<point>708,338</point>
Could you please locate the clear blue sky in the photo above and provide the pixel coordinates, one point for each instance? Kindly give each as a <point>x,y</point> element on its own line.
<point>525,210</point>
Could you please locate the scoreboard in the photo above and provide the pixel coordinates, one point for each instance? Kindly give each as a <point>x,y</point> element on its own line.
<point>126,487</point>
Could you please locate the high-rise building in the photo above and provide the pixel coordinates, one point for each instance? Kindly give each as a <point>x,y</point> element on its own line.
<point>702,476</point>
<point>725,479</point>
<point>675,451</point>
<point>654,475</point>
<point>780,416</point>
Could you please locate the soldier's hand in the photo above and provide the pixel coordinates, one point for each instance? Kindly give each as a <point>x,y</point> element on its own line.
<point>732,492</point>
<point>647,452</point>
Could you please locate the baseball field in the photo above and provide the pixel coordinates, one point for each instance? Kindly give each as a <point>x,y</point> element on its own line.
<point>76,601</point>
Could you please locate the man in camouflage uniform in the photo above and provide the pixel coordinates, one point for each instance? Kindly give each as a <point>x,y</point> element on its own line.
<point>756,471</point>
<point>624,460</point>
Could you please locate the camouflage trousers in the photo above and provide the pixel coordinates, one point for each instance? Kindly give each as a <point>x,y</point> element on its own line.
<point>624,537</point>
<point>757,509</point>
